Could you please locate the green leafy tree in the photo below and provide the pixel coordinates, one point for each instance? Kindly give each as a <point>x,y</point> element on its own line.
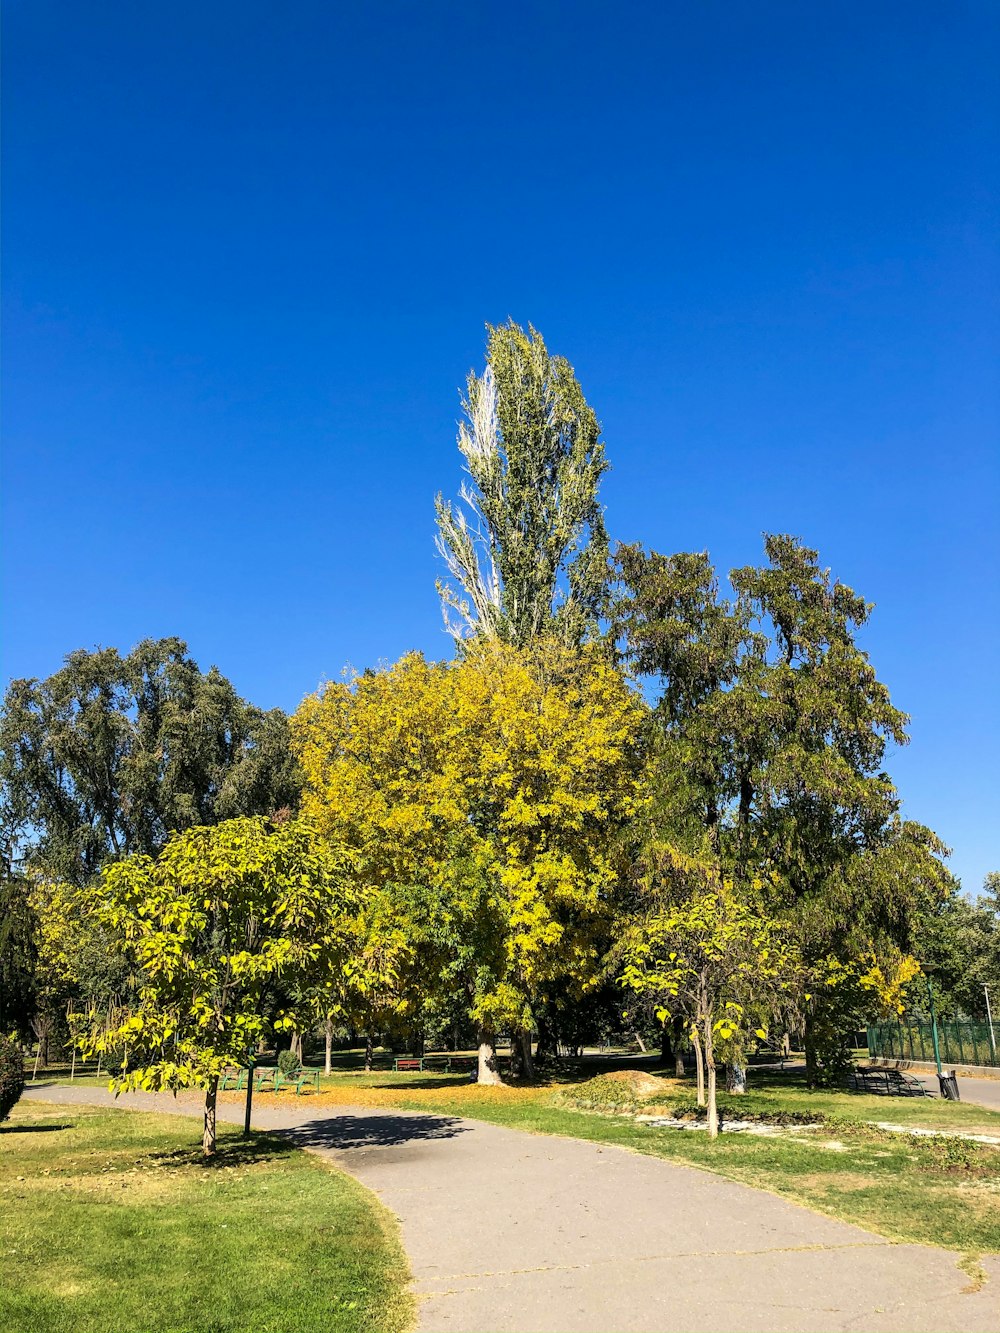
<point>768,745</point>
<point>958,940</point>
<point>111,754</point>
<point>486,794</point>
<point>719,955</point>
<point>18,956</point>
<point>525,547</point>
<point>221,920</point>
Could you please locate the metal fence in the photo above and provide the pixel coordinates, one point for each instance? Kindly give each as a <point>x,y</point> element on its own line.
<point>959,1043</point>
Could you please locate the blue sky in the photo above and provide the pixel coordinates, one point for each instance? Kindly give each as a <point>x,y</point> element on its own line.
<point>250,250</point>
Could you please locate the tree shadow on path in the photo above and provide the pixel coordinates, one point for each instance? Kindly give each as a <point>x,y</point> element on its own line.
<point>347,1132</point>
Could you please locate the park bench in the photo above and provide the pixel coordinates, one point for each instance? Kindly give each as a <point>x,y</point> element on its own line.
<point>885,1083</point>
<point>298,1079</point>
<point>448,1063</point>
<point>233,1078</point>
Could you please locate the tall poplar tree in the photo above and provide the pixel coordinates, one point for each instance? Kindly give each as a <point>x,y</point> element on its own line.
<point>525,545</point>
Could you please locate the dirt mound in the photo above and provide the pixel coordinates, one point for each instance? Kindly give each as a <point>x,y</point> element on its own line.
<point>638,1083</point>
<point>620,1089</point>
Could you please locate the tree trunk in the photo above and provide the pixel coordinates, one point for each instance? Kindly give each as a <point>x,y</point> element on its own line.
<point>809,1043</point>
<point>699,1065</point>
<point>527,1064</point>
<point>713,1109</point>
<point>208,1137</point>
<point>369,1052</point>
<point>328,1035</point>
<point>678,1033</point>
<point>786,1044</point>
<point>545,1048</point>
<point>666,1044</point>
<point>642,1044</point>
<point>736,1078</point>
<point>488,1071</point>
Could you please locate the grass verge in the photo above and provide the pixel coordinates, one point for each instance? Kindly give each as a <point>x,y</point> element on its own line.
<point>112,1223</point>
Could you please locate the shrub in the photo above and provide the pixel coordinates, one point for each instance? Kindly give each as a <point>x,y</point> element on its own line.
<point>288,1062</point>
<point>737,1111</point>
<point>11,1075</point>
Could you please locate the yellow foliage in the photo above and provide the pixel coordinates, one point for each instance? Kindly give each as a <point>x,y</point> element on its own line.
<point>503,767</point>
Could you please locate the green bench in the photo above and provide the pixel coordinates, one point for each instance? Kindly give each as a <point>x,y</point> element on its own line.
<point>268,1078</point>
<point>297,1079</point>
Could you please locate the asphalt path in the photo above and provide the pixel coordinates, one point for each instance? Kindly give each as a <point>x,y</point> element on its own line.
<point>509,1232</point>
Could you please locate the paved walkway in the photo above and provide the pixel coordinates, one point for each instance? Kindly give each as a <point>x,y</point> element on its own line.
<point>510,1232</point>
<point>977,1091</point>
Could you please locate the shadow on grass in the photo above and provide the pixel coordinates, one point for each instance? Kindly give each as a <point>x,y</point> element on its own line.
<point>32,1129</point>
<point>396,1082</point>
<point>345,1132</point>
<point>230,1152</point>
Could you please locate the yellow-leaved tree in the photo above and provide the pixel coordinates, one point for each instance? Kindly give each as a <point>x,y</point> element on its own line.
<point>489,791</point>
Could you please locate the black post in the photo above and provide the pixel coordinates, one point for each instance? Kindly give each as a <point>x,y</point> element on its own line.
<point>246,1117</point>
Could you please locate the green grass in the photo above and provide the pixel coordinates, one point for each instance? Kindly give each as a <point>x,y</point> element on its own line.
<point>111,1222</point>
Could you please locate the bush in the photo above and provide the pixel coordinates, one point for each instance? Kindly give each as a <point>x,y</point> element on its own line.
<point>288,1062</point>
<point>11,1075</point>
<point>737,1111</point>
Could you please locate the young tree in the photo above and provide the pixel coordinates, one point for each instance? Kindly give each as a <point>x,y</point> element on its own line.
<point>484,794</point>
<point>215,925</point>
<point>109,755</point>
<point>722,958</point>
<point>525,548</point>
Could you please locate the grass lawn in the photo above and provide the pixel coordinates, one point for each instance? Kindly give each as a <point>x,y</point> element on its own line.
<point>112,1223</point>
<point>939,1192</point>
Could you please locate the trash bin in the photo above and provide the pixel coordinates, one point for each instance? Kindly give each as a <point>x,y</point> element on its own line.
<point>949,1086</point>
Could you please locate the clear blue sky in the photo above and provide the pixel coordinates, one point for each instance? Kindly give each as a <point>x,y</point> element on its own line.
<point>250,249</point>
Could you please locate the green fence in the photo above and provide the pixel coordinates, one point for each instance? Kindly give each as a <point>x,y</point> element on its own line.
<point>960,1043</point>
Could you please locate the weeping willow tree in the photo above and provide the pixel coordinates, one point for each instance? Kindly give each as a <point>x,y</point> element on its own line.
<point>525,545</point>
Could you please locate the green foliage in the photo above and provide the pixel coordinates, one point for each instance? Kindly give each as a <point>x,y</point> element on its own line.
<point>526,548</point>
<point>766,757</point>
<point>959,941</point>
<point>483,798</point>
<point>111,754</point>
<point>288,1062</point>
<point>219,921</point>
<point>18,956</point>
<point>11,1075</point>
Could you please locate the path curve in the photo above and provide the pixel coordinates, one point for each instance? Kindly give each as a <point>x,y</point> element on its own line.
<point>510,1232</point>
